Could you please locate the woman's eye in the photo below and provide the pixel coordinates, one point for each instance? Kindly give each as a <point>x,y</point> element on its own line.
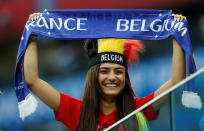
<point>119,72</point>
<point>103,71</point>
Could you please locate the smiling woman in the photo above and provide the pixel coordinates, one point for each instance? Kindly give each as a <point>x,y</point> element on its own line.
<point>108,94</point>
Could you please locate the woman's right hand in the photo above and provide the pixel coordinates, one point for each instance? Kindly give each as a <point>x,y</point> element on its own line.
<point>35,16</point>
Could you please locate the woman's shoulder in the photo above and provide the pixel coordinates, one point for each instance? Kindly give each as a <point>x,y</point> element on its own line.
<point>70,99</point>
<point>141,101</point>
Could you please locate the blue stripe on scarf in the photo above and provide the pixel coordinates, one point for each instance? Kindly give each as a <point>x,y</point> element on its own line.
<point>83,24</point>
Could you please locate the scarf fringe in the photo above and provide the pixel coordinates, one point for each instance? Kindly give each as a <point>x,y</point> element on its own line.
<point>27,106</point>
<point>191,100</point>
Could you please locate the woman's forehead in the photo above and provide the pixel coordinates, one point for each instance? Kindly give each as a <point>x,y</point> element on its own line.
<point>111,65</point>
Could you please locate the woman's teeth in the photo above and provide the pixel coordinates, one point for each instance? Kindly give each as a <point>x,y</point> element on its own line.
<point>110,85</point>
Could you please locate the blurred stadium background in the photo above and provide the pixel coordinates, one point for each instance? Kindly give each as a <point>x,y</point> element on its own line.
<point>67,74</point>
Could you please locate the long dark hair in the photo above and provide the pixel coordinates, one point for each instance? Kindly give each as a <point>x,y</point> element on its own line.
<point>91,101</point>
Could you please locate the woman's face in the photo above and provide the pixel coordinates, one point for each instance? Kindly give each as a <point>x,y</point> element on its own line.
<point>111,78</point>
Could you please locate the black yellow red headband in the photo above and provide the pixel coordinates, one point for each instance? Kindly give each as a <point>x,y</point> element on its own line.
<point>110,57</point>
<point>113,50</point>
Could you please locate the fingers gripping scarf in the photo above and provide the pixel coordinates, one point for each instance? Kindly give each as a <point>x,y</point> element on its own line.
<point>94,24</point>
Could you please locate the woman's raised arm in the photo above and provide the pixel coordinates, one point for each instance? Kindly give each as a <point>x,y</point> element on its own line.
<point>178,69</point>
<point>40,88</point>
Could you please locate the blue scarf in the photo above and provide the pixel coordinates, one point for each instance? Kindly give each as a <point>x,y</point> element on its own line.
<point>83,24</point>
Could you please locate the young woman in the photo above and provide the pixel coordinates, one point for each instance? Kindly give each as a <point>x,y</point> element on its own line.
<point>108,95</point>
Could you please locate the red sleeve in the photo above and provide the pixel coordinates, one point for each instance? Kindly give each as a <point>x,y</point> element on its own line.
<point>69,111</point>
<point>148,111</point>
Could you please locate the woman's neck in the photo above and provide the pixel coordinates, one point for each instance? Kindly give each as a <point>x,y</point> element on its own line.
<point>107,106</point>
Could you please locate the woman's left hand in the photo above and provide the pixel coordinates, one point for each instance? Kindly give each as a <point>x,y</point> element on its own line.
<point>178,17</point>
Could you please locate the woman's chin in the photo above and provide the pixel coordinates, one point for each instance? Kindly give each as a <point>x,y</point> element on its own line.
<point>111,93</point>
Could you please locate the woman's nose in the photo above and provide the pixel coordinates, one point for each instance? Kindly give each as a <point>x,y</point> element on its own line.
<point>112,76</point>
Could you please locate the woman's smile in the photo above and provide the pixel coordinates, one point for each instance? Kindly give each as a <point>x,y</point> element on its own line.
<point>111,85</point>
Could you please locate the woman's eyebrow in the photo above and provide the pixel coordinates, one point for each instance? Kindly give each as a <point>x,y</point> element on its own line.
<point>119,68</point>
<point>107,68</point>
<point>104,68</point>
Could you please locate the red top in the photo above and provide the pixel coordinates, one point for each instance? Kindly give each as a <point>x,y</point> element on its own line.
<point>69,112</point>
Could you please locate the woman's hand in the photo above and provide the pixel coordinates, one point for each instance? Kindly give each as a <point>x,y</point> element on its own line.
<point>35,16</point>
<point>178,17</point>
